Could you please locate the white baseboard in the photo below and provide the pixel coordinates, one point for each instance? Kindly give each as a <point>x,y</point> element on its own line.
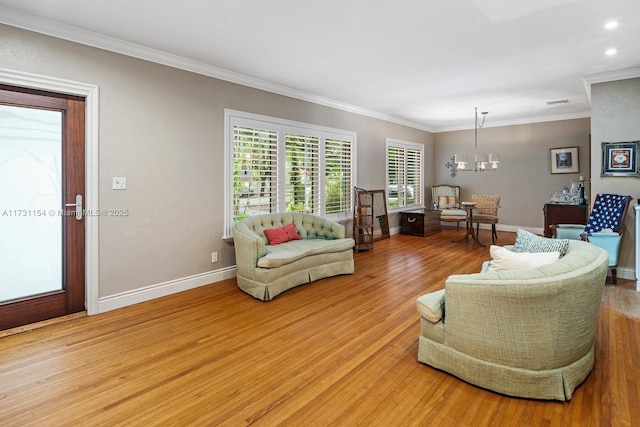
<point>148,293</point>
<point>625,273</point>
<point>503,227</point>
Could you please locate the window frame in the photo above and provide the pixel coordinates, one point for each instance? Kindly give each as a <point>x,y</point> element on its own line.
<point>420,195</point>
<point>283,128</point>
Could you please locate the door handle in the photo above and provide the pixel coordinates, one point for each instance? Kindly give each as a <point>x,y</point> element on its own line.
<point>78,205</point>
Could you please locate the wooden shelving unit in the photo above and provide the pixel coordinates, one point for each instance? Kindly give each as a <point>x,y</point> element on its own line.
<point>363,219</point>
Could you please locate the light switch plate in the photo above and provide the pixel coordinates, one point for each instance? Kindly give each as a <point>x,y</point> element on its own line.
<point>119,183</point>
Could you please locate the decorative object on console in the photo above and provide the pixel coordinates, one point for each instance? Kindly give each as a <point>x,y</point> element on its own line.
<point>569,196</point>
<point>621,159</point>
<point>481,160</point>
<point>564,160</point>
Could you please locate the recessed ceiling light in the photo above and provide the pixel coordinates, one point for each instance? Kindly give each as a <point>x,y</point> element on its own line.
<point>610,52</point>
<point>611,25</point>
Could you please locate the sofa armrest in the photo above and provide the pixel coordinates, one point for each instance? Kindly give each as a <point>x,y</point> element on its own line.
<point>338,230</point>
<point>431,306</point>
<point>315,227</point>
<point>249,248</point>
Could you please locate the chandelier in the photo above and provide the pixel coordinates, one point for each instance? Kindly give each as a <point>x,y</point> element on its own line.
<point>481,161</point>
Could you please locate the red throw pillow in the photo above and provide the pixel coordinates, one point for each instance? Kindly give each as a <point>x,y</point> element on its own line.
<point>275,236</point>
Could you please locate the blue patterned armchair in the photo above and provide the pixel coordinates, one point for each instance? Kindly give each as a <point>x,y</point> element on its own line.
<point>604,227</point>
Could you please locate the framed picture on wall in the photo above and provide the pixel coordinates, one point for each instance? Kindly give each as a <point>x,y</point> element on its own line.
<point>564,160</point>
<point>620,158</point>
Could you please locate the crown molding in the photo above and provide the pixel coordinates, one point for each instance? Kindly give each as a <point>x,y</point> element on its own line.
<point>608,76</point>
<point>521,121</point>
<point>66,32</point>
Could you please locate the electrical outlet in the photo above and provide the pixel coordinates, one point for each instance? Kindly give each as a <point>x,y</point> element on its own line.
<point>214,256</point>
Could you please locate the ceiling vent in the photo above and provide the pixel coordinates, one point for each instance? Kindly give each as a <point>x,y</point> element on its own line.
<point>559,101</point>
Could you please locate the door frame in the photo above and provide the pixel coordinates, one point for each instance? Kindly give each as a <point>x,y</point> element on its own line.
<point>91,93</point>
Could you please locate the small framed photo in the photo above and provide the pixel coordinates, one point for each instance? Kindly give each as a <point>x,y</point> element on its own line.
<point>620,158</point>
<point>564,160</point>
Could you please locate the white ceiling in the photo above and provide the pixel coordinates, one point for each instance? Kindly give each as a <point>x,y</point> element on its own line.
<point>421,62</point>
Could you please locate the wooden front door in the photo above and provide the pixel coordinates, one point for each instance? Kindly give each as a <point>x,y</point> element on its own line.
<point>42,265</point>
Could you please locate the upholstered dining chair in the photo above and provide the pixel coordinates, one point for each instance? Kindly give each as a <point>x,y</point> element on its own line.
<point>603,228</point>
<point>486,212</point>
<point>446,199</point>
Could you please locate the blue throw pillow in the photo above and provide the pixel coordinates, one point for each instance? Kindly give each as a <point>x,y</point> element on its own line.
<point>529,242</point>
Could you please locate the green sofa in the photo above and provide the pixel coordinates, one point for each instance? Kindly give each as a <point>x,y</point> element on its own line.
<point>524,332</point>
<point>264,271</point>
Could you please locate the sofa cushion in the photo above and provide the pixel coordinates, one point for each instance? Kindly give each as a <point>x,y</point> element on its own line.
<point>431,306</point>
<point>529,242</point>
<point>286,253</point>
<point>504,259</point>
<point>275,236</point>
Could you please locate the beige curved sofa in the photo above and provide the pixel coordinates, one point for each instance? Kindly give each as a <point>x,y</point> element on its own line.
<point>265,271</point>
<point>527,332</point>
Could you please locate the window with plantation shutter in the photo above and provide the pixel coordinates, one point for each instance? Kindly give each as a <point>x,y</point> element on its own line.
<point>274,165</point>
<point>255,170</point>
<point>338,182</point>
<point>302,164</point>
<point>404,174</point>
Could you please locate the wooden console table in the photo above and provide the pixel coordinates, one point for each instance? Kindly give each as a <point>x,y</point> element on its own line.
<point>555,213</point>
<point>420,222</point>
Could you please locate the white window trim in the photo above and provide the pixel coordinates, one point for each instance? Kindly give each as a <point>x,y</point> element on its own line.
<point>232,117</point>
<point>406,144</point>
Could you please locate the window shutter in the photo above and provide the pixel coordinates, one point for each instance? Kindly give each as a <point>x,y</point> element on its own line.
<point>255,170</point>
<point>414,181</point>
<point>302,173</point>
<point>404,174</point>
<point>338,182</point>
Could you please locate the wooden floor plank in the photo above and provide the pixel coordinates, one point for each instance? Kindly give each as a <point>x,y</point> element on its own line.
<point>339,351</point>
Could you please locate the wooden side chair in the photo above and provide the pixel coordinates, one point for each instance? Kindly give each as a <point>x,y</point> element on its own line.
<point>446,199</point>
<point>486,212</point>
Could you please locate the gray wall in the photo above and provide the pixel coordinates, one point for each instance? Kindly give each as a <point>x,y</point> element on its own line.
<point>523,179</point>
<point>163,129</point>
<point>615,117</point>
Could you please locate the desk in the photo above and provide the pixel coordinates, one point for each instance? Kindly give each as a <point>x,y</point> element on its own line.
<point>469,206</point>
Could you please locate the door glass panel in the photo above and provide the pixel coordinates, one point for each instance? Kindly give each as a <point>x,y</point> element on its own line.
<point>30,195</point>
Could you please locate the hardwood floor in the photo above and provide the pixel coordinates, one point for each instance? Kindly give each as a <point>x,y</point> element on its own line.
<point>340,351</point>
